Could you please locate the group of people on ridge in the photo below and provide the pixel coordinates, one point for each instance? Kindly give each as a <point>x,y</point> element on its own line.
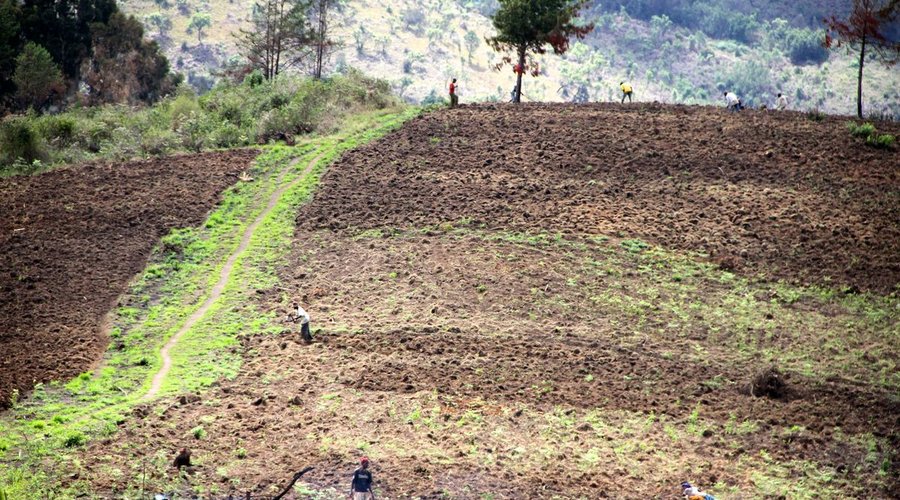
<point>732,101</point>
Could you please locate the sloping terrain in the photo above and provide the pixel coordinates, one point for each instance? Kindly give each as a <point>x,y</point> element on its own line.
<point>771,193</point>
<point>72,239</point>
<point>517,302</point>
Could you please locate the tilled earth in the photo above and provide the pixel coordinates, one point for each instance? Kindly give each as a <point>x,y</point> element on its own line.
<point>767,192</point>
<point>472,353</point>
<point>465,365</point>
<point>71,240</point>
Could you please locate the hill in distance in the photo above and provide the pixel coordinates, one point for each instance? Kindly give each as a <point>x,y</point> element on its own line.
<point>419,45</point>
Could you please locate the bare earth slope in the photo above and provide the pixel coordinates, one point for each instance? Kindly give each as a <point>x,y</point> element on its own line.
<point>769,192</point>
<point>490,321</point>
<point>71,239</point>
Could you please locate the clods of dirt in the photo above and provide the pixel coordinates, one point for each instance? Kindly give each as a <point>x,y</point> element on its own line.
<point>821,208</point>
<point>769,383</point>
<point>71,239</point>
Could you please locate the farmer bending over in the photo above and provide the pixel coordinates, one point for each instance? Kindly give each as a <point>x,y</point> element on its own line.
<point>299,314</point>
<point>781,103</point>
<point>733,102</point>
<point>626,91</point>
<point>361,485</point>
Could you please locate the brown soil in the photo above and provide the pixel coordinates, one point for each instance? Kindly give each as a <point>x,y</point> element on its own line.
<point>767,192</point>
<point>470,361</point>
<point>71,240</point>
<point>429,338</point>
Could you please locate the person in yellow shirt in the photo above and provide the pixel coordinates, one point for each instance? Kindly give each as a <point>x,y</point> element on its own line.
<point>626,91</point>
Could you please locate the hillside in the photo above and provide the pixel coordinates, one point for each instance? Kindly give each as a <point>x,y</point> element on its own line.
<point>419,45</point>
<point>504,299</point>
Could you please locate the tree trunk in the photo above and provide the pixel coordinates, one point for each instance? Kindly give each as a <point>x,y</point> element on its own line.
<point>521,69</point>
<point>320,38</point>
<point>862,61</point>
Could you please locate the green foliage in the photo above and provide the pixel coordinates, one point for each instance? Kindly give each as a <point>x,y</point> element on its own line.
<point>253,79</point>
<point>36,77</point>
<point>199,22</point>
<point>18,141</point>
<point>73,439</point>
<point>869,133</point>
<point>10,42</point>
<point>881,141</point>
<point>864,130</point>
<point>228,116</point>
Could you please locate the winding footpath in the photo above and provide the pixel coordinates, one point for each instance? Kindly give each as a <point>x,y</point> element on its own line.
<point>224,275</point>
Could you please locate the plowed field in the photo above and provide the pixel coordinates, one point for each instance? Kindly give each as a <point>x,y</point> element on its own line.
<point>71,240</point>
<point>566,302</point>
<point>775,193</point>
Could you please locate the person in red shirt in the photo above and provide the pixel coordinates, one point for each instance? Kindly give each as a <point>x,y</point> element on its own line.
<point>454,99</point>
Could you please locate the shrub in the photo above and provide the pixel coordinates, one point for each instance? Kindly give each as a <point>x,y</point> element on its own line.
<point>59,129</point>
<point>227,135</point>
<point>815,115</point>
<point>865,130</point>
<point>158,141</point>
<point>882,141</point>
<point>73,439</point>
<point>181,108</point>
<point>198,432</point>
<point>19,142</point>
<point>254,79</point>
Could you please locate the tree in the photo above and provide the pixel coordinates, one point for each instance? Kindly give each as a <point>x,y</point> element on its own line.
<point>526,27</point>
<point>37,77</point>
<point>63,27</point>
<point>864,30</point>
<point>199,21</point>
<point>359,39</point>
<point>161,22</point>
<point>472,42</point>
<point>10,43</point>
<point>280,36</point>
<point>124,67</point>
<point>322,44</point>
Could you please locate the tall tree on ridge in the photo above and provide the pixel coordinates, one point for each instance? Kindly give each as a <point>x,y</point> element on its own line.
<point>280,36</point>
<point>526,27</point>
<point>863,30</point>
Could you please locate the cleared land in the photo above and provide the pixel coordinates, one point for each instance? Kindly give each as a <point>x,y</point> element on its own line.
<point>72,239</point>
<point>554,301</point>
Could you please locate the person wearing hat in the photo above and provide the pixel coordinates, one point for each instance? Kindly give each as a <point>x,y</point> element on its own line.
<point>361,485</point>
<point>626,91</point>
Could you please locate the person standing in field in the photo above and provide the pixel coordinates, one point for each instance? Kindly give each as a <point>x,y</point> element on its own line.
<point>454,98</point>
<point>361,484</point>
<point>781,103</point>
<point>733,102</point>
<point>299,314</point>
<point>627,91</point>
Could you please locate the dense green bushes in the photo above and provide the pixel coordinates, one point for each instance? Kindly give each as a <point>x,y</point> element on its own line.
<point>229,116</point>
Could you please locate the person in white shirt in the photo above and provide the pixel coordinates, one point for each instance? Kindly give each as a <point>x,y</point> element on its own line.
<point>733,102</point>
<point>299,314</point>
<point>781,103</point>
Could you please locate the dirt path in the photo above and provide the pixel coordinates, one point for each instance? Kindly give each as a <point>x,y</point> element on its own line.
<point>224,276</point>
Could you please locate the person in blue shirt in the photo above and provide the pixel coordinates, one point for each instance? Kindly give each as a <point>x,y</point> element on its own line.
<point>361,485</point>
